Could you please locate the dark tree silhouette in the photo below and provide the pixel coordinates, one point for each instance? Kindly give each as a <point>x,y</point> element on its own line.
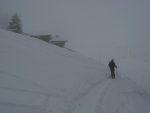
<point>15,24</point>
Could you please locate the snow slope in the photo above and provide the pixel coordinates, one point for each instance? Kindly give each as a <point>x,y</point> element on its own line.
<point>37,77</point>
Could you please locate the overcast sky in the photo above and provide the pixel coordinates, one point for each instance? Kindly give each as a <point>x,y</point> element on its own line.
<point>93,27</point>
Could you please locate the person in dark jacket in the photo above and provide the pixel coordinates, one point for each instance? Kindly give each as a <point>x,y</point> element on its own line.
<point>112,67</point>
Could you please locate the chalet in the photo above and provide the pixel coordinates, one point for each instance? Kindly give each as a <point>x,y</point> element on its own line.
<point>46,38</point>
<point>58,42</point>
<point>51,39</point>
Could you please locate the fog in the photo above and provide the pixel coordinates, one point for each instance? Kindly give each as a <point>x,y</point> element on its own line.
<point>96,28</point>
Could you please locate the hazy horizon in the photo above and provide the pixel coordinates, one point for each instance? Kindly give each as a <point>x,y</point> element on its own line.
<point>88,25</point>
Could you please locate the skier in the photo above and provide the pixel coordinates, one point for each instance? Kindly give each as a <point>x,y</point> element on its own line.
<point>112,67</point>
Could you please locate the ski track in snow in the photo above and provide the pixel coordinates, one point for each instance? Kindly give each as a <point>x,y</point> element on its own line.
<point>80,97</point>
<point>88,102</point>
<point>114,96</point>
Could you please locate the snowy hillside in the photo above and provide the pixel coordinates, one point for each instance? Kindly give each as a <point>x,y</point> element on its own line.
<point>37,77</point>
